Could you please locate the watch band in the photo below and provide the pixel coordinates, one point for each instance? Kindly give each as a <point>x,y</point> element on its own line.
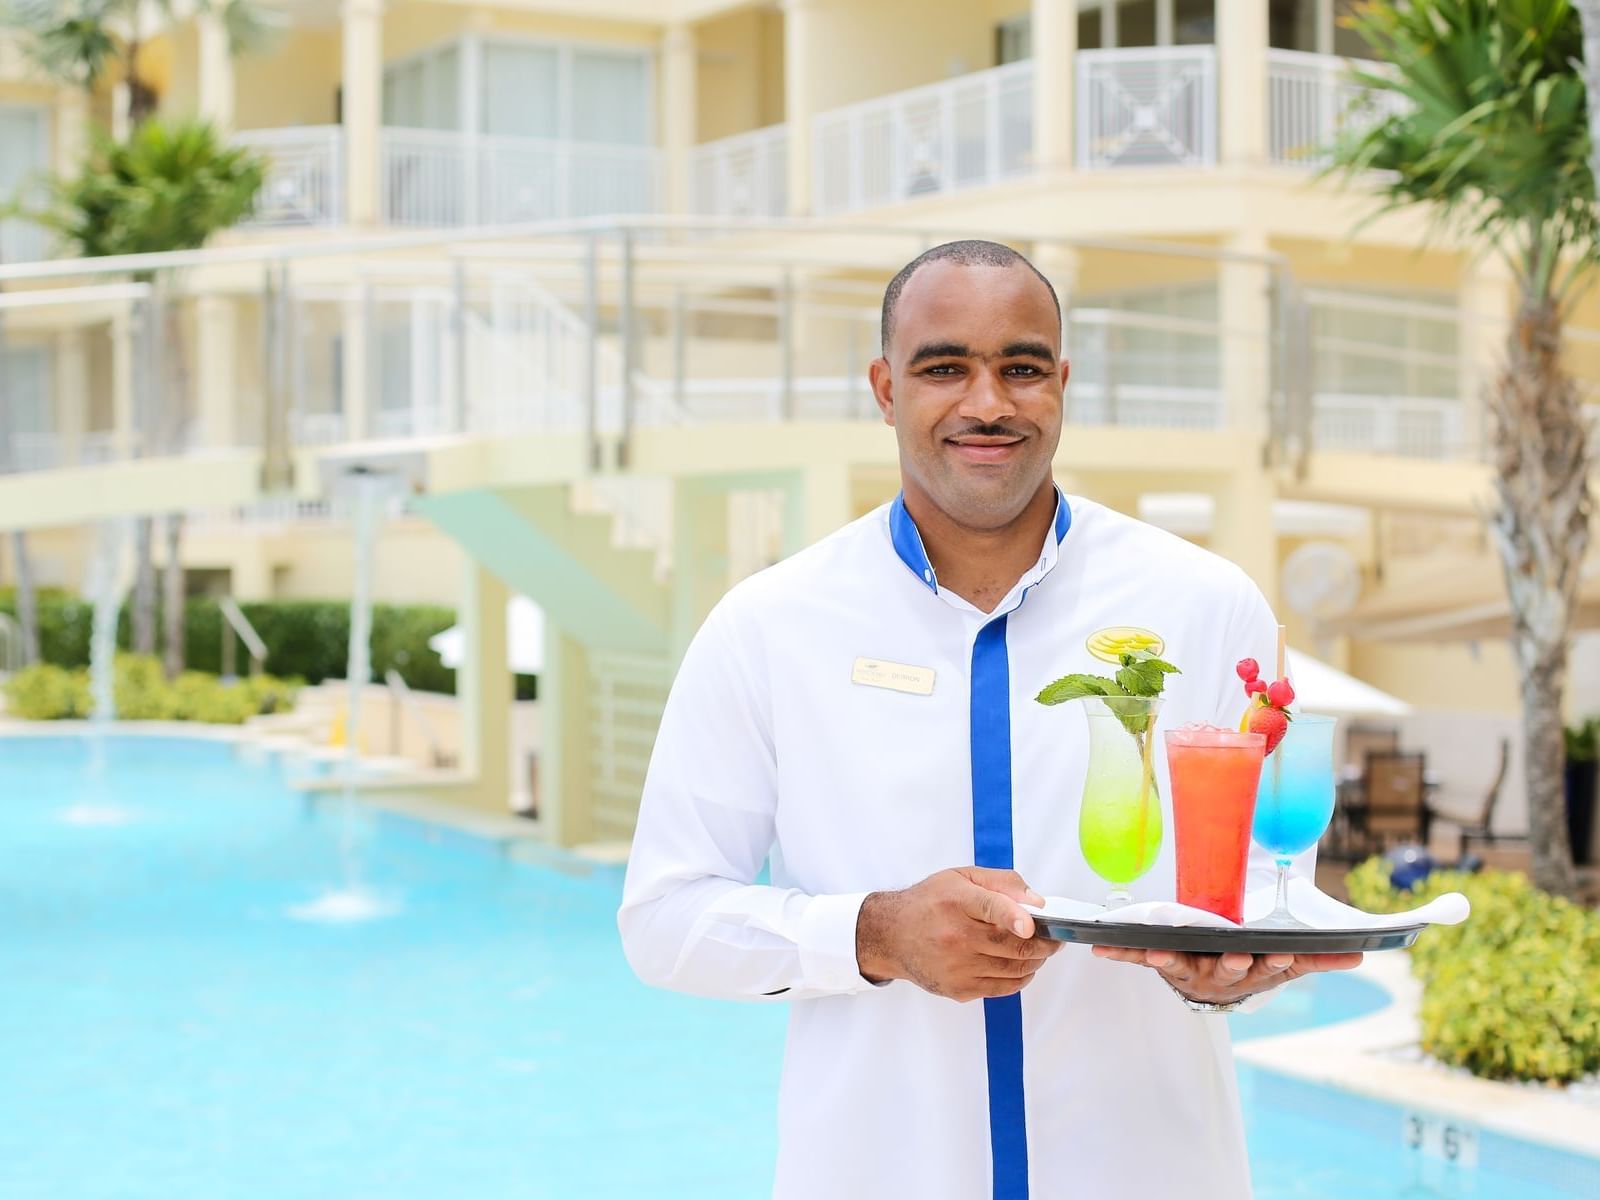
<point>1204,1006</point>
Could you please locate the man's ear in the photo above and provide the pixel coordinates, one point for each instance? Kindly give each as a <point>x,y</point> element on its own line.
<point>1065,367</point>
<point>882,388</point>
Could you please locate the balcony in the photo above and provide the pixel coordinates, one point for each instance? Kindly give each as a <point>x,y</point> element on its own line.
<point>1144,107</point>
<point>433,178</point>
<point>305,176</point>
<point>966,132</point>
<point>742,176</point>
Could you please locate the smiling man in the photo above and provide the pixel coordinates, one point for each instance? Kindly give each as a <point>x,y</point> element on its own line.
<point>862,715</point>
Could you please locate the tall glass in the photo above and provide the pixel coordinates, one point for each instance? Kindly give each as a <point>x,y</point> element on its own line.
<point>1294,804</point>
<point>1215,773</point>
<point>1119,821</point>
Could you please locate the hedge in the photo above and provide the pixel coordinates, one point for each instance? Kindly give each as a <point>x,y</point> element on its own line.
<point>1512,993</point>
<point>305,639</point>
<point>44,692</point>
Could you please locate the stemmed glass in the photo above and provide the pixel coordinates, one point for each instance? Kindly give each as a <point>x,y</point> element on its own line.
<point>1119,820</point>
<point>1294,804</point>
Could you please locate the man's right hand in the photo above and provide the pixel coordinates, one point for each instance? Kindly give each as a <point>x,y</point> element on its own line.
<point>961,933</point>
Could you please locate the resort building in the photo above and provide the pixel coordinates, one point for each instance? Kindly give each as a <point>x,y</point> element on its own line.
<point>590,288</point>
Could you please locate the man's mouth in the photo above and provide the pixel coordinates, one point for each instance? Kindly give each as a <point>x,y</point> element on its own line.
<point>985,448</point>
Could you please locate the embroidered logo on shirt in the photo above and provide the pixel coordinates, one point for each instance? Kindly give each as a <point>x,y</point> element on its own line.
<point>1108,645</point>
<point>896,677</point>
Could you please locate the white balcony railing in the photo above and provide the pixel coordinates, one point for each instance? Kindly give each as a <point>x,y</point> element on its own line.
<point>965,132</point>
<point>23,241</point>
<point>743,176</point>
<point>1410,426</point>
<point>1313,100</point>
<point>1147,107</point>
<point>434,178</point>
<point>305,175</point>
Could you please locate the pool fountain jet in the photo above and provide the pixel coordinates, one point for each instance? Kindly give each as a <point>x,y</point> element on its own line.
<point>105,586</point>
<point>369,491</point>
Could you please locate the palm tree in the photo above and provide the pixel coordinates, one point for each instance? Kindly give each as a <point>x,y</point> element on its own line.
<point>1492,134</point>
<point>167,187</point>
<point>83,43</point>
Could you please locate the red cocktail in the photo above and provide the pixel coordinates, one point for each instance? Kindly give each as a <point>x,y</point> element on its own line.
<point>1215,773</point>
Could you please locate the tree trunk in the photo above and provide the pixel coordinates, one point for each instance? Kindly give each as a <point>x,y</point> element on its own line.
<point>27,610</point>
<point>172,598</point>
<point>144,588</point>
<point>1541,527</point>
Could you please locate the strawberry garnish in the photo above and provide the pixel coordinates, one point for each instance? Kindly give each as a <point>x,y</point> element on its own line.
<point>1280,694</point>
<point>1271,721</point>
<point>1248,669</point>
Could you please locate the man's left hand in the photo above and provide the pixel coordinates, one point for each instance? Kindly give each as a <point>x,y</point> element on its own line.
<point>1224,978</point>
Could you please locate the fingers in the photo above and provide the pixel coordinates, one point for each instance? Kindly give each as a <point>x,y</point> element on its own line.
<point>991,967</point>
<point>1007,883</point>
<point>989,940</point>
<point>992,908</point>
<point>1310,964</point>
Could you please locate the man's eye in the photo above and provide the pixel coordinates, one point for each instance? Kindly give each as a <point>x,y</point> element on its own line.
<point>1025,370</point>
<point>943,369</point>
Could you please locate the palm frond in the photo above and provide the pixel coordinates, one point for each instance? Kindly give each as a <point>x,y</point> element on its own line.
<point>1487,123</point>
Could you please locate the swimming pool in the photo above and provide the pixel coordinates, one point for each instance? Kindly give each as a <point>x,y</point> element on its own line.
<point>169,1029</point>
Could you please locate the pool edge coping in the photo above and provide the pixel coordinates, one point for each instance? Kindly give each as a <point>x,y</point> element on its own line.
<point>1354,1056</point>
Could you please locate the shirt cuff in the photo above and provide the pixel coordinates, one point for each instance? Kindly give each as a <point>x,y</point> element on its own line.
<point>828,944</point>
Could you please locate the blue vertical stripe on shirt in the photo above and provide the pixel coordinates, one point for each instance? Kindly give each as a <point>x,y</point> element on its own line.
<point>991,844</point>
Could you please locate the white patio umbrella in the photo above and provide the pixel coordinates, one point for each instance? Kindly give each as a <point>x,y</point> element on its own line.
<point>524,638</point>
<point>1320,688</point>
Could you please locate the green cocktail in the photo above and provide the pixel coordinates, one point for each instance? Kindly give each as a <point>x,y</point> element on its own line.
<point>1119,820</point>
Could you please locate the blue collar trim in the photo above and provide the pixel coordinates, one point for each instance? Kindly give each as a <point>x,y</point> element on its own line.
<point>908,541</point>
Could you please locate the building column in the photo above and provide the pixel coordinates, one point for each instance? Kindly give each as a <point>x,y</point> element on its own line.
<point>1242,527</point>
<point>71,132</point>
<point>363,108</point>
<point>485,689</point>
<point>799,100</point>
<point>70,373</point>
<point>819,502</point>
<point>216,72</point>
<point>699,556</point>
<point>565,789</point>
<point>1483,303</point>
<point>679,103</point>
<point>216,353</point>
<point>1055,53</point>
<point>356,345</point>
<point>124,332</point>
<point>1242,82</point>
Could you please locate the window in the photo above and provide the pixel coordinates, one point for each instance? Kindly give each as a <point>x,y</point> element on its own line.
<point>1194,23</point>
<point>1292,24</point>
<point>1013,40</point>
<point>1365,347</point>
<point>525,89</point>
<point>27,375</point>
<point>24,155</point>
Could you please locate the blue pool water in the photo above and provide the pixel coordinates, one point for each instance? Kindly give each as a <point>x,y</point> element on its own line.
<point>169,1030</point>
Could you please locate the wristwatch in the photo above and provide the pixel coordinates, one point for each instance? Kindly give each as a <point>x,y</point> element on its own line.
<point>1203,1006</point>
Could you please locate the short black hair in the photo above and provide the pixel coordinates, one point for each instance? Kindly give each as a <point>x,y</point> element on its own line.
<point>971,252</point>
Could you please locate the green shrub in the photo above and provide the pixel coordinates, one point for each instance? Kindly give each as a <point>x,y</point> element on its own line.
<point>305,639</point>
<point>1513,992</point>
<point>45,693</point>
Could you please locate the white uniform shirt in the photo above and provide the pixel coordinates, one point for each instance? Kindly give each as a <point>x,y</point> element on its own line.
<point>767,747</point>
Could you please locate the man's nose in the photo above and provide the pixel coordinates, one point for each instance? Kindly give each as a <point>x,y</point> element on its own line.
<point>987,399</point>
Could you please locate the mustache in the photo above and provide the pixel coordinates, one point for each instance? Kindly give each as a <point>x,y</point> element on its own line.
<point>988,431</point>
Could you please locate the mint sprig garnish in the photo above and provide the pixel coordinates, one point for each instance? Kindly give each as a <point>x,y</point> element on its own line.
<point>1142,675</point>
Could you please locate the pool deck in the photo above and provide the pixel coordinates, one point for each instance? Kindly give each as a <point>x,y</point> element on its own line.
<point>1362,1056</point>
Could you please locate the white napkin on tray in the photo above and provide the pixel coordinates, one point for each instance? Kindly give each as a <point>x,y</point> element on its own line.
<point>1316,908</point>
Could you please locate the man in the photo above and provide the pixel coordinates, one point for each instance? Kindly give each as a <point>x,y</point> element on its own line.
<point>863,714</point>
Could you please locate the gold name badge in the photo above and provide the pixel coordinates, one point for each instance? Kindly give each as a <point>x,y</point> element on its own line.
<point>897,677</point>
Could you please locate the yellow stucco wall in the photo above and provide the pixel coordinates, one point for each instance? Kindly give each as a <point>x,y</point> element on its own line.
<point>295,82</point>
<point>740,73</point>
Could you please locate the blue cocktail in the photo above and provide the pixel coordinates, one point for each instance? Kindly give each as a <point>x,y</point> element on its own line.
<point>1294,803</point>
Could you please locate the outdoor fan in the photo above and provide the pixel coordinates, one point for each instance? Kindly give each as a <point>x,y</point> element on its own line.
<point>1321,581</point>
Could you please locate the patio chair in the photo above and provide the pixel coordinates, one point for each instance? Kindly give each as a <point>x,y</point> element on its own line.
<point>1395,809</point>
<point>1477,828</point>
<point>1361,739</point>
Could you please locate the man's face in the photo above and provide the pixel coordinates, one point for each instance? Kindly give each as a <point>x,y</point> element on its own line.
<point>972,383</point>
